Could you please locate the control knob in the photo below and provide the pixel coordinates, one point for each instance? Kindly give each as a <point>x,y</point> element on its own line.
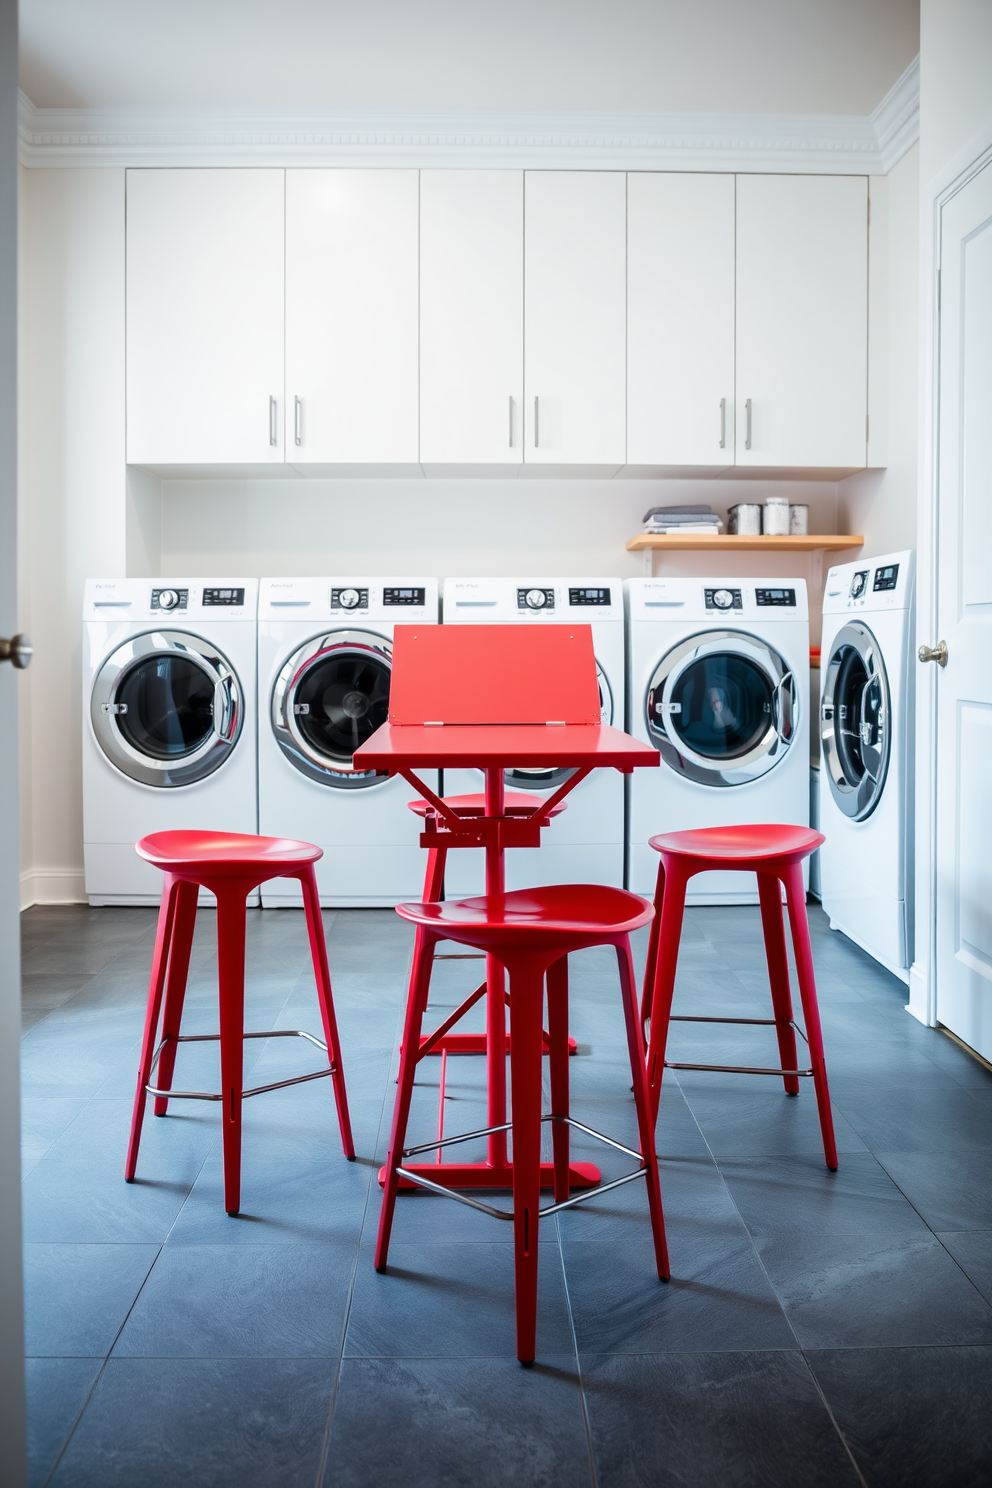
<point>168,599</point>
<point>349,598</point>
<point>535,599</point>
<point>723,599</point>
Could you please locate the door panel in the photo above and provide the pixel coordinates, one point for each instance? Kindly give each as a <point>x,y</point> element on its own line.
<point>471,317</point>
<point>964,610</point>
<point>802,320</point>
<point>575,318</point>
<point>205,278</point>
<point>352,317</point>
<point>680,319</point>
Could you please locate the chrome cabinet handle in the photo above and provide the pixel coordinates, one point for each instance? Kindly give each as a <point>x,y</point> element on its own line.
<point>536,424</point>
<point>18,651</point>
<point>723,423</point>
<point>747,426</point>
<point>273,432</point>
<point>298,420</point>
<point>936,653</point>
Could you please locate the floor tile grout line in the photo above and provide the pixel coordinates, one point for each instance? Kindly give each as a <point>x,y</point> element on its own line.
<point>586,1418</point>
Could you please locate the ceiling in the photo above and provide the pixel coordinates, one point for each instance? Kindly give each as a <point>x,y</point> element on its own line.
<point>747,56</point>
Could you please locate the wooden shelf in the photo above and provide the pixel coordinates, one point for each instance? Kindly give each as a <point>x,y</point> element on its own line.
<point>809,542</point>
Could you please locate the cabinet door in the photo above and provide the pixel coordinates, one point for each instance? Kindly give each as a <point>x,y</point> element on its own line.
<point>802,320</point>
<point>351,316</point>
<point>680,319</point>
<point>204,316</point>
<point>574,318</point>
<point>471,317</point>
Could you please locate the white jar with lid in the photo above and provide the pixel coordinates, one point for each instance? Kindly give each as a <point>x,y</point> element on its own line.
<point>775,516</point>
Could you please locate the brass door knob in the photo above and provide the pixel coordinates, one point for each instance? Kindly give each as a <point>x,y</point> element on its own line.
<point>18,651</point>
<point>936,653</point>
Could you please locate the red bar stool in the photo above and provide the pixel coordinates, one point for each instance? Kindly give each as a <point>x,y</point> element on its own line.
<point>530,932</point>
<point>231,865</point>
<point>775,854</point>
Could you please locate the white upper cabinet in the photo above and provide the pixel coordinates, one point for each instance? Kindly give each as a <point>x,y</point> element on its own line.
<point>575,318</point>
<point>351,317</point>
<point>802,320</point>
<point>471,317</point>
<point>204,298</point>
<point>680,319</point>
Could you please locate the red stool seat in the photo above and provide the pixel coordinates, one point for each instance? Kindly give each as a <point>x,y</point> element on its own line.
<point>531,932</point>
<point>230,865</point>
<point>775,854</point>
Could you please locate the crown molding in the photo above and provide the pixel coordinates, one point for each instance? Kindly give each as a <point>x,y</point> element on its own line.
<point>810,143</point>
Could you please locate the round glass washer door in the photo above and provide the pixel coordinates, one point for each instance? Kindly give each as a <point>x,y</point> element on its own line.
<point>518,778</point>
<point>722,707</point>
<point>855,732</point>
<point>329,697</point>
<point>167,708</point>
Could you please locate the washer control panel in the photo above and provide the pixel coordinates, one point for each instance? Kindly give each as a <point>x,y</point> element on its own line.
<point>404,596</point>
<point>349,599</point>
<point>535,599</point>
<point>223,596</point>
<point>589,597</point>
<point>723,599</point>
<point>886,577</point>
<point>170,599</point>
<point>776,597</point>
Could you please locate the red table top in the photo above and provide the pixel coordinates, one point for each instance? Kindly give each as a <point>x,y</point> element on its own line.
<point>396,747</point>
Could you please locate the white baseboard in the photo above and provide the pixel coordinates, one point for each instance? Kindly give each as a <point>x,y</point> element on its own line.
<point>52,886</point>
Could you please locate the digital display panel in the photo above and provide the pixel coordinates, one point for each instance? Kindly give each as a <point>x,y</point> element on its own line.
<point>404,596</point>
<point>886,578</point>
<point>775,597</point>
<point>589,597</point>
<point>223,596</point>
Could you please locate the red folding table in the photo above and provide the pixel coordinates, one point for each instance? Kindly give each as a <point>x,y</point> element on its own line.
<point>493,697</point>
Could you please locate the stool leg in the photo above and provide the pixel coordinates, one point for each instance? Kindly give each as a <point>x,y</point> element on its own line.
<point>669,932</point>
<point>175,989</point>
<point>420,981</point>
<point>322,976</point>
<point>526,1044</point>
<point>770,897</point>
<point>434,877</point>
<point>160,960</point>
<point>652,957</point>
<point>796,899</point>
<point>558,1068</point>
<point>231,897</point>
<point>642,1104</point>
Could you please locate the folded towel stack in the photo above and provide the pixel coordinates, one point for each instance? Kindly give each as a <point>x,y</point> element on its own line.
<point>682,519</point>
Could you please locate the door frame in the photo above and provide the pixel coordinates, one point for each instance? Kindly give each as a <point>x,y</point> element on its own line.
<point>957,174</point>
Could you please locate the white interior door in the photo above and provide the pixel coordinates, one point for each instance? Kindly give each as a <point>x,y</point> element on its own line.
<point>351,317</point>
<point>471,317</point>
<point>802,321</point>
<point>575,318</point>
<point>680,319</point>
<point>205,316</point>
<point>964,618</point>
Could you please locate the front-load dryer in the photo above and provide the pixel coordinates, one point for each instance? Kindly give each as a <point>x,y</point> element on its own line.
<point>866,739</point>
<point>585,843</point>
<point>324,663</point>
<point>169,721</point>
<point>718,682</point>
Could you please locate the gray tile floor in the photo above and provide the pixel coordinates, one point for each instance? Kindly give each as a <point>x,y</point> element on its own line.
<point>819,1328</point>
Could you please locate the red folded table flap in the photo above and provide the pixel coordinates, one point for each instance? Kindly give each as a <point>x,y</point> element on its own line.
<point>493,674</point>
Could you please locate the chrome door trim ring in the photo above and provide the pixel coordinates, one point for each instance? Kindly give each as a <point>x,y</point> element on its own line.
<point>773,745</point>
<point>857,800</point>
<point>298,750</point>
<point>228,705</point>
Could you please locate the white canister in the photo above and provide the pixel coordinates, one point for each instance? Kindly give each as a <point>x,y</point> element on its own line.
<point>798,520</point>
<point>745,519</point>
<point>775,517</point>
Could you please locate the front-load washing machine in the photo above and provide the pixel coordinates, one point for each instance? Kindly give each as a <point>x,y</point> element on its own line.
<point>718,682</point>
<point>585,843</point>
<point>324,663</point>
<point>169,721</point>
<point>866,738</point>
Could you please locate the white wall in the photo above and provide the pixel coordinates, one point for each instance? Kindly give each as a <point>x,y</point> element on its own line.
<point>955,79</point>
<point>882,503</point>
<point>71,487</point>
